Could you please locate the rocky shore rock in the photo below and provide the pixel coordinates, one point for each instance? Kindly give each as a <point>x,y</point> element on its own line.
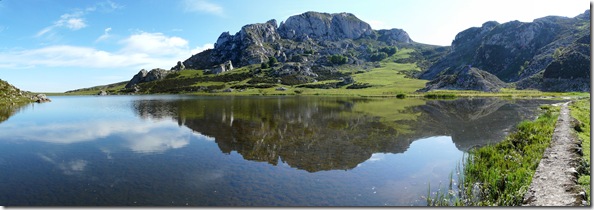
<point>40,98</point>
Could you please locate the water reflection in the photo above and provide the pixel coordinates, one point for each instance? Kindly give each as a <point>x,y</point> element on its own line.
<point>315,134</point>
<point>475,122</point>
<point>241,151</point>
<point>9,110</point>
<point>136,136</point>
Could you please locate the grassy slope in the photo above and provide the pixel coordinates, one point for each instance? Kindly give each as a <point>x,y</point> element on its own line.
<point>11,99</point>
<point>388,78</point>
<point>11,96</point>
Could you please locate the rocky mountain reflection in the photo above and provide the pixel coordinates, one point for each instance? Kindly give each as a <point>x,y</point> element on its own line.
<point>475,122</point>
<point>317,134</point>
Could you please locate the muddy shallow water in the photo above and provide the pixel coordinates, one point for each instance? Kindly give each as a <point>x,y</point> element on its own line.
<point>242,151</point>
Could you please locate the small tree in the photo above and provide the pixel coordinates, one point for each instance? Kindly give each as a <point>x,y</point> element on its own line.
<point>264,65</point>
<point>271,61</point>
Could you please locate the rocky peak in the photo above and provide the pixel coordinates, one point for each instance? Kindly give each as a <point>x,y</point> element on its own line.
<point>512,51</point>
<point>246,46</point>
<point>472,35</point>
<point>318,34</point>
<point>324,26</point>
<point>393,36</point>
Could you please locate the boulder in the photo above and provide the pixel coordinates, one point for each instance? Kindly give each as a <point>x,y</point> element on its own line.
<point>224,67</point>
<point>40,98</point>
<point>102,93</point>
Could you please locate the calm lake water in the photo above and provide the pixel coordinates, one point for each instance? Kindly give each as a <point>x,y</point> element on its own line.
<point>242,151</point>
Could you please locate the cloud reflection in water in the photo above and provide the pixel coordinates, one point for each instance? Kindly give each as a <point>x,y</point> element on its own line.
<point>138,136</point>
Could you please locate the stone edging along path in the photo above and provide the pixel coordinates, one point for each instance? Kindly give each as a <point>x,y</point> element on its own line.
<point>555,180</point>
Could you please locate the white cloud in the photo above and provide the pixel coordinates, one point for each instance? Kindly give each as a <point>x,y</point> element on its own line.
<point>140,50</point>
<point>154,44</point>
<point>202,6</point>
<point>202,48</point>
<point>75,23</point>
<point>63,56</point>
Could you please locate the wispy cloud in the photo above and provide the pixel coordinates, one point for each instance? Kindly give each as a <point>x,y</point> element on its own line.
<point>202,6</point>
<point>75,20</point>
<point>105,35</point>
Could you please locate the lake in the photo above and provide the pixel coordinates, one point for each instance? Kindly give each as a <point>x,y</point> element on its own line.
<point>172,150</point>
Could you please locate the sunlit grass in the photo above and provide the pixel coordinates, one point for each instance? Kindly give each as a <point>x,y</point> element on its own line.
<point>504,171</point>
<point>580,110</point>
<point>500,174</point>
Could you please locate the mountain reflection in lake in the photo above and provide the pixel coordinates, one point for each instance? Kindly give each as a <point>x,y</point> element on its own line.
<point>242,151</point>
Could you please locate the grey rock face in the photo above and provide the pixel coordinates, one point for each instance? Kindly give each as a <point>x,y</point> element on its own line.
<point>515,51</point>
<point>394,36</point>
<point>144,76</point>
<point>468,79</point>
<point>247,46</point>
<point>179,66</point>
<point>304,38</point>
<point>324,26</point>
<point>224,67</point>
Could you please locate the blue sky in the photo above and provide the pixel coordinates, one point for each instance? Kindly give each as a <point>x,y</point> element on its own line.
<point>60,45</point>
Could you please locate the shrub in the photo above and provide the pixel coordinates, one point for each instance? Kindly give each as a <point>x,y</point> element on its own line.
<point>359,86</point>
<point>338,59</point>
<point>272,61</point>
<point>378,56</point>
<point>389,50</point>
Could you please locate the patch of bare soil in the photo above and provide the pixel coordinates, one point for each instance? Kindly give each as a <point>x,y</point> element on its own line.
<point>555,181</point>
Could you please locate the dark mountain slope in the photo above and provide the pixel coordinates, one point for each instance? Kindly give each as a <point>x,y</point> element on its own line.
<point>515,50</point>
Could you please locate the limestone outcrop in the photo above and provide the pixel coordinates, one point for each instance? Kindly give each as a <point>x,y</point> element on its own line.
<point>147,76</point>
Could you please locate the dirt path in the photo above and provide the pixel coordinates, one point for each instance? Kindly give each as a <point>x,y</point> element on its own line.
<point>555,180</point>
